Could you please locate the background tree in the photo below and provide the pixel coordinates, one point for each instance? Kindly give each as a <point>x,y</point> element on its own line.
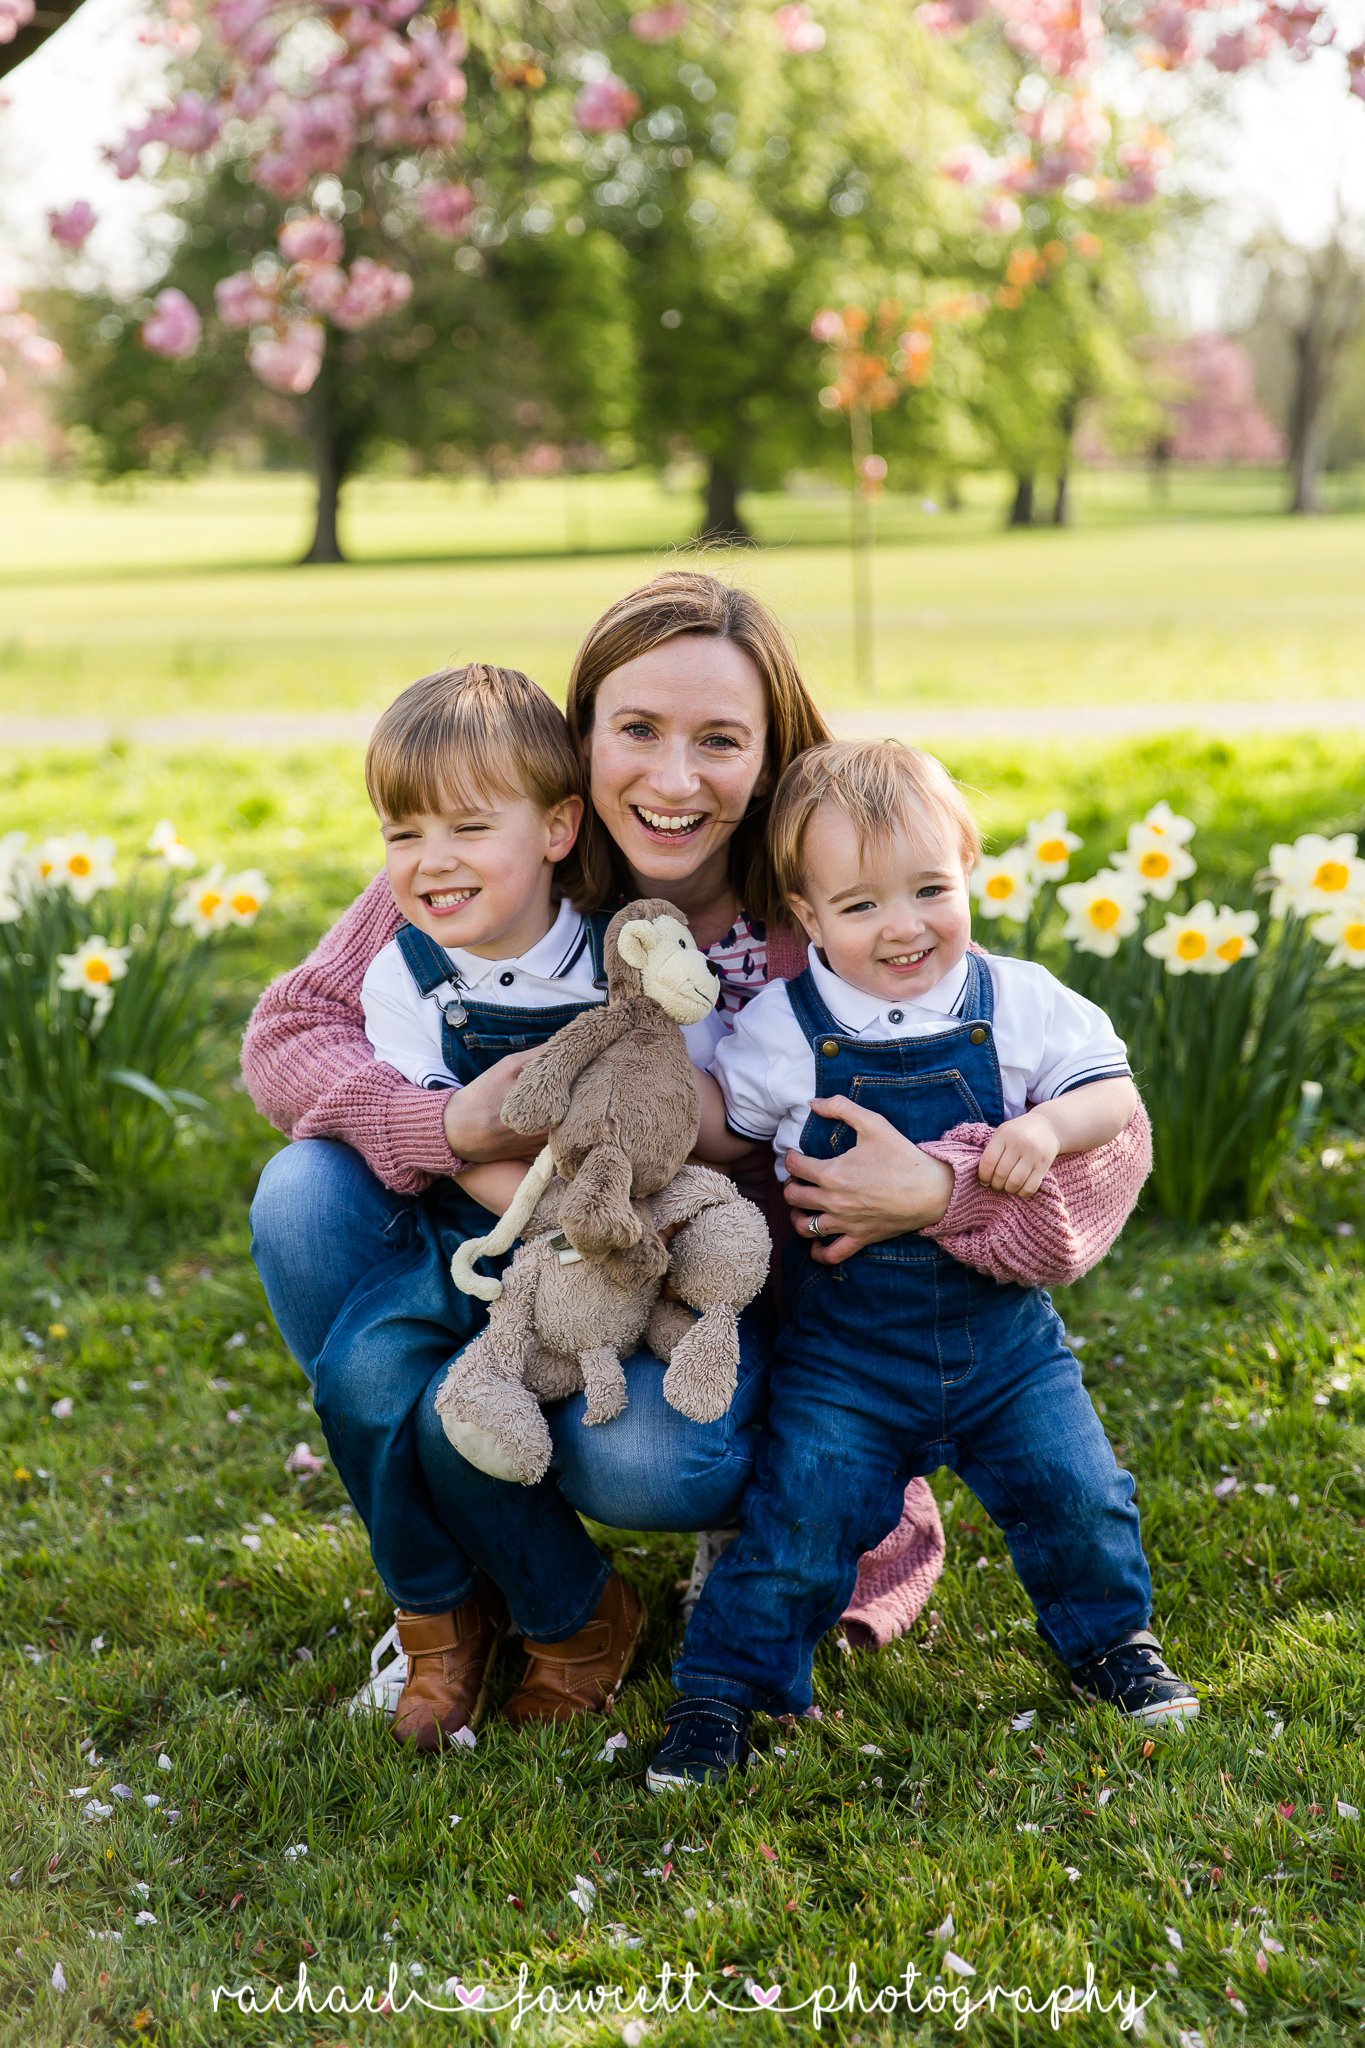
<point>1311,312</point>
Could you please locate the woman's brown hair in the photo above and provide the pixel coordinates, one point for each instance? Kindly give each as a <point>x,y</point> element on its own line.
<point>689,601</point>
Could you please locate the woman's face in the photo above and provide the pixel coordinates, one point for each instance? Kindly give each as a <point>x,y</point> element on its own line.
<point>677,753</point>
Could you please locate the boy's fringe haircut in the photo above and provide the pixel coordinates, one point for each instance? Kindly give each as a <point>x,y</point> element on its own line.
<point>475,733</point>
<point>876,784</point>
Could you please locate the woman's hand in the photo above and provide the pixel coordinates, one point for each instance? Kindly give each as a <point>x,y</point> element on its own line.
<point>474,1128</point>
<point>884,1186</point>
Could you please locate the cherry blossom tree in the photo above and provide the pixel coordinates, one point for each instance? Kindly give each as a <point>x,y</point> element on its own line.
<point>1211,411</point>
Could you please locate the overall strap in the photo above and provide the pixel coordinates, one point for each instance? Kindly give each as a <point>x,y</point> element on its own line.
<point>978,998</point>
<point>809,1007</point>
<point>429,965</point>
<point>595,924</point>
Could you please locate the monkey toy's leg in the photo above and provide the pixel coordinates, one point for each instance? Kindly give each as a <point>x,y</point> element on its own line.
<point>486,1410</point>
<point>604,1383</point>
<point>596,1214</point>
<point>669,1323</point>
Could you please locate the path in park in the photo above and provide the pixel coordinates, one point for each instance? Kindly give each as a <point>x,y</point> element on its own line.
<point>932,722</point>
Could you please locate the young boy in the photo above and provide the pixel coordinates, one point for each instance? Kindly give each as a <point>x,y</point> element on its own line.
<point>477,787</point>
<point>900,1359</point>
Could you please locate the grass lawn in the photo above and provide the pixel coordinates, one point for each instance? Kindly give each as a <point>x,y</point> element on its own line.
<point>171,1593</point>
<point>181,598</point>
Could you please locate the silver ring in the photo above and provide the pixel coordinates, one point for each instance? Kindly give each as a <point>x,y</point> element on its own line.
<point>815,1230</point>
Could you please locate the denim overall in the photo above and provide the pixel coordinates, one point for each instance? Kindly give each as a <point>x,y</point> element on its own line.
<point>406,1319</point>
<point>897,1361</point>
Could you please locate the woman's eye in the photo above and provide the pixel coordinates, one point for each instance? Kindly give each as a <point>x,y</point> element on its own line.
<point>717,740</point>
<point>638,731</point>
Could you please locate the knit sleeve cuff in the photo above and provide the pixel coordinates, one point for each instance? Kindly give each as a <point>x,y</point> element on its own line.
<point>417,1131</point>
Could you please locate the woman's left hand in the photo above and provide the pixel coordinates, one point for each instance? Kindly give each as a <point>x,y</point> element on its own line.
<point>885,1185</point>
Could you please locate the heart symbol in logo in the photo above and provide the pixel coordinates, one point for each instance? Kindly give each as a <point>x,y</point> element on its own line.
<point>469,1997</point>
<point>768,1997</point>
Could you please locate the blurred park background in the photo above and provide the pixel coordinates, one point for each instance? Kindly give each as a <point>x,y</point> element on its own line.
<point>1014,350</point>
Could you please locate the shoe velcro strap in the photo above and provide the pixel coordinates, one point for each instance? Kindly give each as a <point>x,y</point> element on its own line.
<point>422,1635</point>
<point>585,1647</point>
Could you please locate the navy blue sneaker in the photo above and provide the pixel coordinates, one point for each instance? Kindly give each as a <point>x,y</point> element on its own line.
<point>1134,1678</point>
<point>704,1740</point>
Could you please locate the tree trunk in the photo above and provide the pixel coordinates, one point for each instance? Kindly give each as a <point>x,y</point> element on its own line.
<point>1061,504</point>
<point>1021,511</point>
<point>1307,410</point>
<point>722,520</point>
<point>329,473</point>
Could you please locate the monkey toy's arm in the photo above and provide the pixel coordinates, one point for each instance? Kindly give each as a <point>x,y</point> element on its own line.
<point>539,1097</point>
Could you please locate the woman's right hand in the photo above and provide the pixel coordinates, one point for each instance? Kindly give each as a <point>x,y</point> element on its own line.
<point>474,1127</point>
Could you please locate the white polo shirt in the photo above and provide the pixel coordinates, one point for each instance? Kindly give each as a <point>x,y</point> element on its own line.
<point>1047,1040</point>
<point>404,1026</point>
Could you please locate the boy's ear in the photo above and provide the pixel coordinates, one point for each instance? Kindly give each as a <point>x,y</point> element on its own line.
<point>564,822</point>
<point>809,922</point>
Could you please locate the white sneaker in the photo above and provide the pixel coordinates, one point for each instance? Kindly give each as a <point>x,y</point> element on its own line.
<point>379,1694</point>
<point>710,1544</point>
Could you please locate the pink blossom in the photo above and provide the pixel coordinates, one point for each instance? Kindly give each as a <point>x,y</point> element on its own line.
<point>1355,63</point>
<point>242,301</point>
<point>71,227</point>
<point>797,30</point>
<point>605,106</point>
<point>290,359</point>
<point>658,24</point>
<point>174,327</point>
<point>1001,215</point>
<point>39,353</point>
<point>192,124</point>
<point>827,326</point>
<point>950,17</point>
<point>372,291</point>
<point>14,15</point>
<point>447,209</point>
<point>303,1461</point>
<point>322,287</point>
<point>969,165</point>
<point>1239,48</point>
<point>311,240</point>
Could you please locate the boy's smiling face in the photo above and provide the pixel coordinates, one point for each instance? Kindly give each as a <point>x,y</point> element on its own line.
<point>892,915</point>
<point>478,874</point>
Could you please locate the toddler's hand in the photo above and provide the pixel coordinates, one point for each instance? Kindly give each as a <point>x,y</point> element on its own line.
<point>1018,1156</point>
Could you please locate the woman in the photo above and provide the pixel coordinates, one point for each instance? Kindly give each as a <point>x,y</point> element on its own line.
<point>687,704</point>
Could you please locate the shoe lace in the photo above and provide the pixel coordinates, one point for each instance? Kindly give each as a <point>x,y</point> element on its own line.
<point>388,1641</point>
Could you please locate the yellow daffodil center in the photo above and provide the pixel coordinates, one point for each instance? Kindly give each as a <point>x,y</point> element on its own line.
<point>244,905</point>
<point>1354,937</point>
<point>1051,850</point>
<point>1155,864</point>
<point>97,970</point>
<point>999,888</point>
<point>208,903</point>
<point>1191,945</point>
<point>1231,949</point>
<point>1105,913</point>
<point>45,868</point>
<point>79,864</point>
<point>1332,877</point>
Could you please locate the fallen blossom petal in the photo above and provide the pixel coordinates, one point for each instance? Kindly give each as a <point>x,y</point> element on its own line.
<point>946,1929</point>
<point>62,1409</point>
<point>956,1964</point>
<point>612,1747</point>
<point>1225,1487</point>
<point>1174,1938</point>
<point>122,1791</point>
<point>303,1460</point>
<point>1105,1796</point>
<point>151,1799</point>
<point>1347,1812</point>
<point>296,1849</point>
<point>1024,1720</point>
<point>163,1762</point>
<point>465,1738</point>
<point>58,1977</point>
<point>145,1919</point>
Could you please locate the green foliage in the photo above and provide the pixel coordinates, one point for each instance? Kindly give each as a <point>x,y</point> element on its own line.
<point>93,1101</point>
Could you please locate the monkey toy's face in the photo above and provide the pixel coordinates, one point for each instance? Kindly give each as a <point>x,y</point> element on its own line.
<point>674,972</point>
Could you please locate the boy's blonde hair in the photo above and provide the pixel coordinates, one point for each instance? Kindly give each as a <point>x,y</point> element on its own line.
<point>474,732</point>
<point>876,784</point>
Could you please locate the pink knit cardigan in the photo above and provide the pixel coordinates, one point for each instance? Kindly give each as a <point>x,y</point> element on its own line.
<point>311,1072</point>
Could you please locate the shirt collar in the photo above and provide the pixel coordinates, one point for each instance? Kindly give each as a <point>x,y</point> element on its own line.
<point>858,1012</point>
<point>547,960</point>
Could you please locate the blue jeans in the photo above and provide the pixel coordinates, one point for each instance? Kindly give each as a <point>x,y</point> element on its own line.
<point>885,1371</point>
<point>348,1271</point>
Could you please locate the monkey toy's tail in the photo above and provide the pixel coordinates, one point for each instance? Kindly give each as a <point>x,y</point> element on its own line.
<point>504,1233</point>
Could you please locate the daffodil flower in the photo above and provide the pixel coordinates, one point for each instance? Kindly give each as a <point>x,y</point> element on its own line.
<point>1315,873</point>
<point>244,894</point>
<point>12,846</point>
<point>1164,823</point>
<point>1344,931</point>
<point>203,906</point>
<point>1155,860</point>
<point>1049,847</point>
<point>1100,912</point>
<point>166,842</point>
<point>1202,940</point>
<point>93,969</point>
<point>1003,886</point>
<point>80,865</point>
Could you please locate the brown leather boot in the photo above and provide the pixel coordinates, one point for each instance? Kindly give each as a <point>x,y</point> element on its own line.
<point>583,1674</point>
<point>449,1657</point>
